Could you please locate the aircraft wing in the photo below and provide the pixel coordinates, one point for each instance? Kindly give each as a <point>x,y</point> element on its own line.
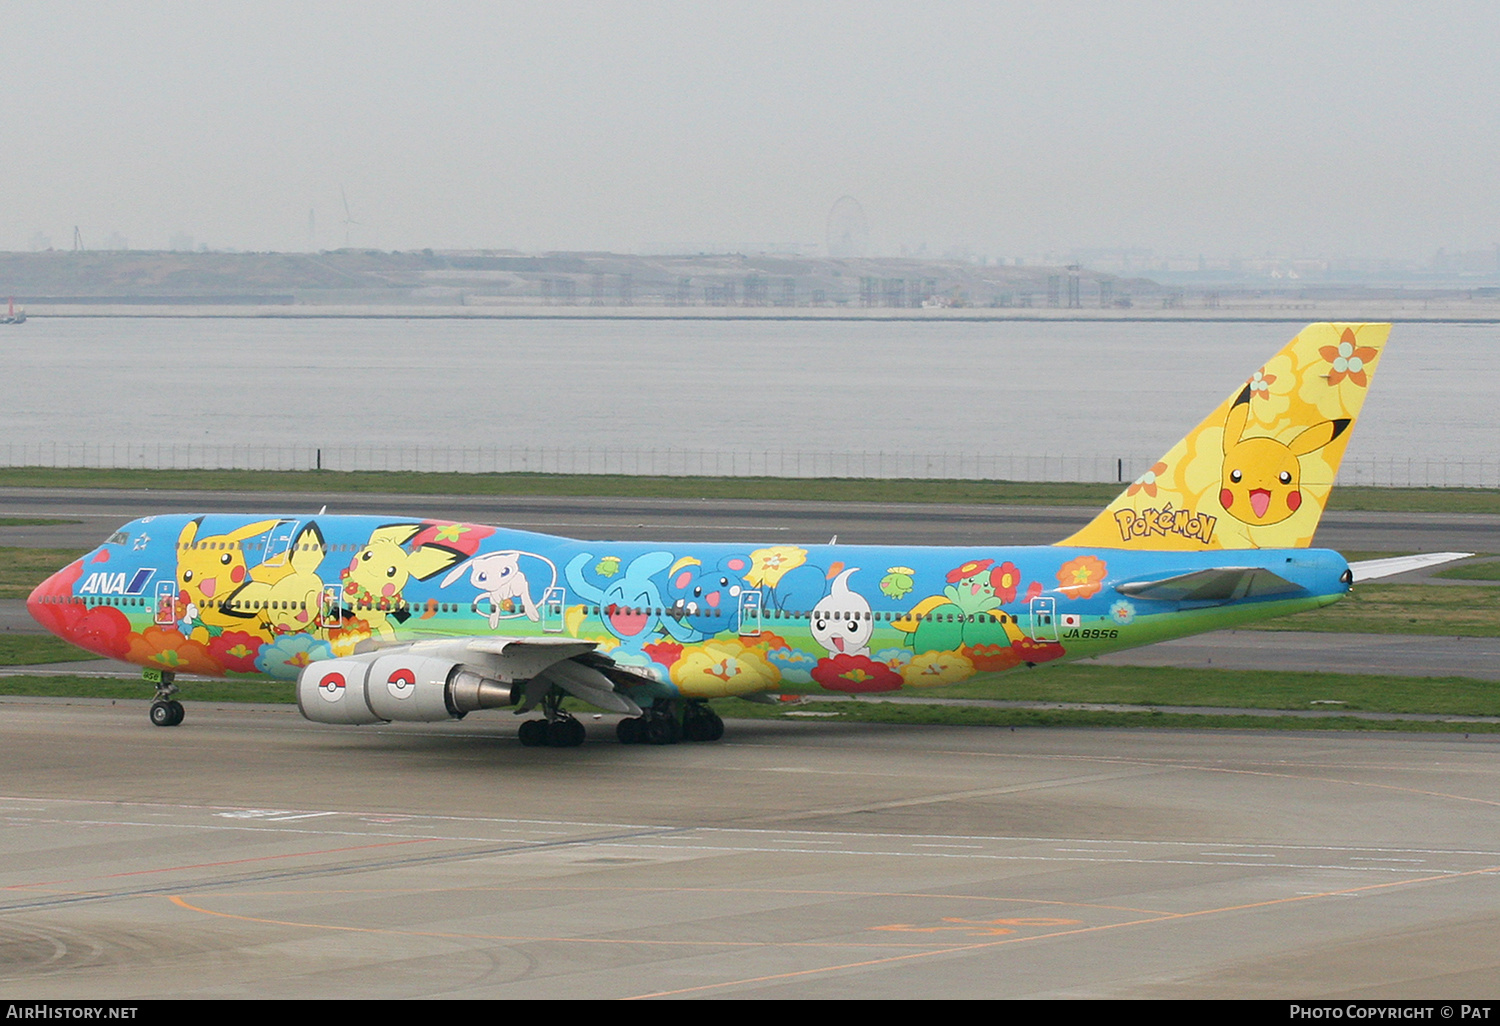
<point>574,666</point>
<point>1375,569</point>
<point>1217,585</point>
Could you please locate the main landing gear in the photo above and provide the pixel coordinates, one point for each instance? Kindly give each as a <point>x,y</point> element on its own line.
<point>165,711</point>
<point>558,730</point>
<point>660,725</point>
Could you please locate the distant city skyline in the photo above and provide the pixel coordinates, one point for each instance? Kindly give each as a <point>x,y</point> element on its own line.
<point>1000,130</point>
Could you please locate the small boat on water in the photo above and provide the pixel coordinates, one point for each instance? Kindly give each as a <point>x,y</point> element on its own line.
<point>14,316</point>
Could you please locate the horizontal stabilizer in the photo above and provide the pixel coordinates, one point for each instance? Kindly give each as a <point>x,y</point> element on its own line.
<point>1221,584</point>
<point>1374,569</point>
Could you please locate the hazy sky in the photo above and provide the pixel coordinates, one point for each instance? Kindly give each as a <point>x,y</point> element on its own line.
<point>1364,128</point>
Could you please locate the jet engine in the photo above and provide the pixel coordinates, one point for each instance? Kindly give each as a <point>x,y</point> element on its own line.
<point>448,678</point>
<point>377,688</point>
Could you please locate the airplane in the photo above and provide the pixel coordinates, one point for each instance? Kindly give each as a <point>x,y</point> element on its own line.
<point>380,619</point>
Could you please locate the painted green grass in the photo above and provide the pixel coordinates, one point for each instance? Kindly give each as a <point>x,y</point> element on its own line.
<point>1472,572</point>
<point>1403,609</point>
<point>1434,500</point>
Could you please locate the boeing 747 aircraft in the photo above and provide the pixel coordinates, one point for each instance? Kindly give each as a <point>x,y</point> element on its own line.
<point>388,618</point>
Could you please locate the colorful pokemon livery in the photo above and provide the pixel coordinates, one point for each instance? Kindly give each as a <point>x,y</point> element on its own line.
<point>385,618</point>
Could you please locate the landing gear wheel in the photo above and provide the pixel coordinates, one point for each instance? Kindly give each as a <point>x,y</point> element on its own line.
<point>166,714</point>
<point>534,733</point>
<point>631,731</point>
<point>662,729</point>
<point>565,733</point>
<point>165,711</point>
<point>700,723</point>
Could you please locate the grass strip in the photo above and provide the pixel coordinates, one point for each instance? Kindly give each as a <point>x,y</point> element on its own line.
<point>1236,689</point>
<point>67,686</point>
<point>22,569</point>
<point>1403,609</point>
<point>1035,493</point>
<point>915,714</point>
<point>31,649</point>
<point>1472,572</point>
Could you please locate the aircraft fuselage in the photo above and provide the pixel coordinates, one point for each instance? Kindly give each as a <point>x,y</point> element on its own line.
<point>255,596</point>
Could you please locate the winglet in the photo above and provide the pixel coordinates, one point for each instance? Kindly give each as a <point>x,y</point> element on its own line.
<point>1257,471</point>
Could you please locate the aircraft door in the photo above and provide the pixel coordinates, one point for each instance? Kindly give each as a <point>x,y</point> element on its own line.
<point>553,600</point>
<point>750,612</point>
<point>166,603</point>
<point>1044,619</point>
<point>279,541</point>
<point>328,606</point>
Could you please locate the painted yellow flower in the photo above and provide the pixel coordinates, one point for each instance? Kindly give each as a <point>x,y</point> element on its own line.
<point>721,668</point>
<point>344,640</point>
<point>767,565</point>
<point>1083,577</point>
<point>931,669</point>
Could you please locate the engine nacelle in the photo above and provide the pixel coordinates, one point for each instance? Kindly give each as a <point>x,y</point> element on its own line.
<point>375,688</point>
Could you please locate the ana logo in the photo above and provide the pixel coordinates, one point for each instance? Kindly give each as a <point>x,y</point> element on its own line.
<point>402,683</point>
<point>331,687</point>
<point>122,583</point>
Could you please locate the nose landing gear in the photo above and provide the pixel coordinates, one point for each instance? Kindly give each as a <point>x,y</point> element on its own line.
<point>165,711</point>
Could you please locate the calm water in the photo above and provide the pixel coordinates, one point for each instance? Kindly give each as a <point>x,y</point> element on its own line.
<point>1070,388</point>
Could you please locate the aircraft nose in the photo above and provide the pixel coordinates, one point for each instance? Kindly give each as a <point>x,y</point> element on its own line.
<point>46,598</point>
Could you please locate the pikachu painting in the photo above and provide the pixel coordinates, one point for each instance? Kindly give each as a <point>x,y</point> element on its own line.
<point>1256,473</point>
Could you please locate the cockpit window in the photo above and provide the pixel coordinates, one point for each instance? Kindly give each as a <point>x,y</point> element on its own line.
<point>118,538</point>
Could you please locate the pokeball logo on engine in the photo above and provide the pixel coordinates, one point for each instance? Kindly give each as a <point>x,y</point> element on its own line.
<point>331,687</point>
<point>402,683</point>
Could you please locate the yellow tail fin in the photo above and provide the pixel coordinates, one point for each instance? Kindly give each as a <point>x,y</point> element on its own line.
<point>1257,472</point>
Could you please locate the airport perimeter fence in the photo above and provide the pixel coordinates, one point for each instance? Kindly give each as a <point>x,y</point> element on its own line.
<point>1479,472</point>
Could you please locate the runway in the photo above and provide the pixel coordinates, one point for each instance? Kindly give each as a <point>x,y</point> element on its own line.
<point>249,853</point>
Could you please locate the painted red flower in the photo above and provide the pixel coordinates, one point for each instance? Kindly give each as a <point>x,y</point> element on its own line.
<point>855,674</point>
<point>1005,579</point>
<point>102,629</point>
<point>663,652</point>
<point>236,651</point>
<point>1032,651</point>
<point>992,658</point>
<point>969,569</point>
